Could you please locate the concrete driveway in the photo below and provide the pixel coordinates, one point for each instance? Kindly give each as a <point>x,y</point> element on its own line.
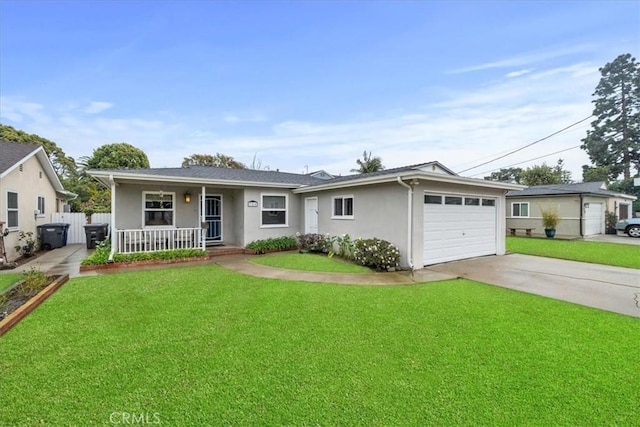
<point>614,289</point>
<point>613,238</point>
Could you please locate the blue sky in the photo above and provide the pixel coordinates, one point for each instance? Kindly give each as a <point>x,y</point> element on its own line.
<point>310,85</point>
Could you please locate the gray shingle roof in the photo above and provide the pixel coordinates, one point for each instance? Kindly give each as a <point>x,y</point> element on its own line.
<point>226,174</point>
<point>12,152</point>
<point>597,188</point>
<point>384,172</point>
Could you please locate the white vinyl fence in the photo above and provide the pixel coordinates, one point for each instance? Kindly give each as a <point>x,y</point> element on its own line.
<point>78,220</point>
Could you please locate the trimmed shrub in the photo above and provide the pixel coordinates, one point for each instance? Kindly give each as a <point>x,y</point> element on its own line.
<point>273,244</point>
<point>376,253</point>
<point>103,249</point>
<point>314,243</point>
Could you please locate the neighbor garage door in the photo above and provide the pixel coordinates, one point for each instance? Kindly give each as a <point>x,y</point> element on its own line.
<point>594,219</point>
<point>458,227</point>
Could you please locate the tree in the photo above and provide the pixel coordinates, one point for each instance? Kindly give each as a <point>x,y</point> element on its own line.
<point>614,138</point>
<point>368,164</point>
<point>544,175</point>
<point>506,175</point>
<point>595,174</point>
<point>118,156</point>
<point>219,161</point>
<point>64,166</point>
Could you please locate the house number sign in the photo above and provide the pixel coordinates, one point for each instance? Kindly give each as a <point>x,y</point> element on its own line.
<point>252,204</point>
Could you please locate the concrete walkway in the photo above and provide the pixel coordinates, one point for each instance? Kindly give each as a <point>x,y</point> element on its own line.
<point>241,264</point>
<point>609,288</point>
<point>65,260</point>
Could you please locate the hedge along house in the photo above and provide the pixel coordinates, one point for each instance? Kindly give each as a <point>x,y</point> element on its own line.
<point>582,207</point>
<point>429,212</point>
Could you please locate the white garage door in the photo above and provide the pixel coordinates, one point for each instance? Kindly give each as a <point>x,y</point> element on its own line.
<point>594,219</point>
<point>458,227</point>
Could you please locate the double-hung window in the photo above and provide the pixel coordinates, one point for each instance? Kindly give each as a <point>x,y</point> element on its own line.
<point>12,209</point>
<point>274,210</point>
<point>158,209</point>
<point>342,207</point>
<point>520,210</point>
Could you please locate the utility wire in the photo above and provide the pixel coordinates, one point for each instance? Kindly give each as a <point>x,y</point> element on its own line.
<point>526,146</point>
<point>530,160</point>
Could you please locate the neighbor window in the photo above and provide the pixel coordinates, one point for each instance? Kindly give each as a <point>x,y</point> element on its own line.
<point>520,209</point>
<point>12,209</point>
<point>40,204</point>
<point>158,209</point>
<point>343,207</point>
<point>274,210</point>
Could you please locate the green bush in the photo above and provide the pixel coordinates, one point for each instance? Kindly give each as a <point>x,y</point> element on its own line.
<point>101,255</point>
<point>345,246</point>
<point>33,281</point>
<point>313,242</point>
<point>273,244</point>
<point>376,253</point>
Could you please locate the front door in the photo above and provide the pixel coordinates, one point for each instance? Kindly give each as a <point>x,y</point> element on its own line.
<point>213,218</point>
<point>311,215</point>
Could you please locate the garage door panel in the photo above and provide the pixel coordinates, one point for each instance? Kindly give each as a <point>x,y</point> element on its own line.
<point>594,219</point>
<point>454,232</point>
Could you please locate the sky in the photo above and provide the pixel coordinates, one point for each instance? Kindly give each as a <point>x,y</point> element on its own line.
<point>307,85</point>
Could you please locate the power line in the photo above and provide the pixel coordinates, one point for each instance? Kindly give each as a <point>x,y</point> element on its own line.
<point>528,145</point>
<point>530,160</point>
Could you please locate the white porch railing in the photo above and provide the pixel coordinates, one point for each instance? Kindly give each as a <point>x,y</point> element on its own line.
<point>161,239</point>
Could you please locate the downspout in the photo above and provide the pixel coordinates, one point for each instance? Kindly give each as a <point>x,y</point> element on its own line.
<point>112,233</point>
<point>409,221</point>
<point>581,210</point>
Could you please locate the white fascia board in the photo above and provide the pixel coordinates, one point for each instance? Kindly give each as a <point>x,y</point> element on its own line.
<point>104,178</point>
<point>409,175</point>
<point>19,162</point>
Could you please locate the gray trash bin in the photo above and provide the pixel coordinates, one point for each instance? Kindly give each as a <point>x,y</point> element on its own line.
<point>95,233</point>
<point>53,235</point>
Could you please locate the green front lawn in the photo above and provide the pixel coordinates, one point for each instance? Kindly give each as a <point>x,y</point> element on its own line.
<point>309,262</point>
<point>207,346</point>
<point>619,255</point>
<point>7,280</point>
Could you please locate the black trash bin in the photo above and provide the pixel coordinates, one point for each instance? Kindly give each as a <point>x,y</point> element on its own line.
<point>95,233</point>
<point>53,236</point>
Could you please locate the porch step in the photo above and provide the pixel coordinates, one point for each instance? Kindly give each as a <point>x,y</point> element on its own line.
<point>224,250</point>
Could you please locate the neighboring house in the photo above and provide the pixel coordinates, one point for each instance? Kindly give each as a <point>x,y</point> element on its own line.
<point>581,207</point>
<point>30,190</point>
<point>429,212</point>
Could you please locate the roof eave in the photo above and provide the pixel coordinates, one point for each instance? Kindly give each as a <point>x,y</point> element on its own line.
<point>103,177</point>
<point>408,175</point>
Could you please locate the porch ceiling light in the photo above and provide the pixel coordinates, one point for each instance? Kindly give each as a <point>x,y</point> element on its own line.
<point>187,197</point>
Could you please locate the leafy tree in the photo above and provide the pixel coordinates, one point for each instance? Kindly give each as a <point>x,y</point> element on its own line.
<point>614,138</point>
<point>64,165</point>
<point>506,175</point>
<point>595,174</point>
<point>368,163</point>
<point>118,156</point>
<point>544,175</point>
<point>219,161</point>
<point>626,186</point>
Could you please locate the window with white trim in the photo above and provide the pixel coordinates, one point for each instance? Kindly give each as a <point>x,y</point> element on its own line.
<point>520,209</point>
<point>158,209</point>
<point>274,210</point>
<point>342,207</point>
<point>12,209</point>
<point>40,206</point>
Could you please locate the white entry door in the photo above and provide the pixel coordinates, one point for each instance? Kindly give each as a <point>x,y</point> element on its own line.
<point>311,215</point>
<point>594,219</point>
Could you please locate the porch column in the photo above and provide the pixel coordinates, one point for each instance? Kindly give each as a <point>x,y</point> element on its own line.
<point>113,235</point>
<point>203,245</point>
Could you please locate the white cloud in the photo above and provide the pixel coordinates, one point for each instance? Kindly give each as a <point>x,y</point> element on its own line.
<point>466,129</point>
<point>518,73</point>
<point>96,107</point>
<point>232,118</point>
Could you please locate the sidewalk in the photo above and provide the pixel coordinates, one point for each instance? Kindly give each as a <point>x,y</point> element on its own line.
<point>65,260</point>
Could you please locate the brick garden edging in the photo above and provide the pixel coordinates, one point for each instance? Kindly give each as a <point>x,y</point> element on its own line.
<point>26,308</point>
<point>115,265</point>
